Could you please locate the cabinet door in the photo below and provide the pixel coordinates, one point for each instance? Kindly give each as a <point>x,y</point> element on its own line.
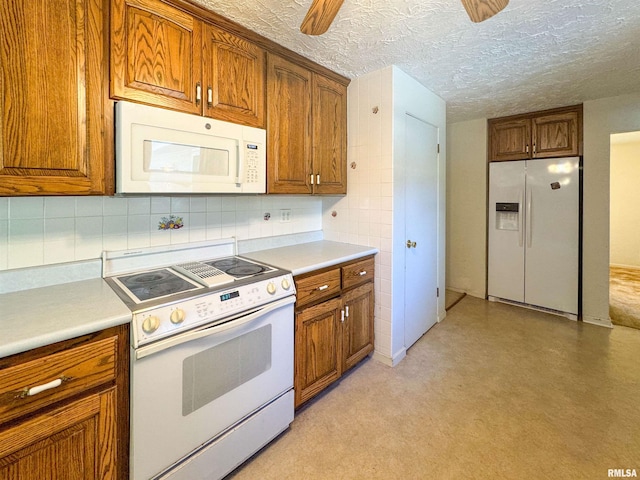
<point>358,306</point>
<point>509,139</point>
<point>318,349</point>
<point>156,54</point>
<point>288,127</point>
<point>74,442</point>
<point>329,136</point>
<point>54,105</point>
<point>556,135</point>
<point>234,78</point>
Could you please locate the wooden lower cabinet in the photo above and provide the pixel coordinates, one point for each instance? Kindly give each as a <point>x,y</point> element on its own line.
<point>358,324</point>
<point>332,334</point>
<point>318,342</point>
<point>71,442</point>
<point>76,425</point>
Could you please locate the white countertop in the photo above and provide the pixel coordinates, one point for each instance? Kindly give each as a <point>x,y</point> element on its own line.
<point>42,316</point>
<point>306,257</point>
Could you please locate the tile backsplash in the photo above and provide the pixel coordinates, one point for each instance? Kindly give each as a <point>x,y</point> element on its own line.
<point>48,230</point>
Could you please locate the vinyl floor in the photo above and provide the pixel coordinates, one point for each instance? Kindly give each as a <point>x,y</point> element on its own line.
<point>494,391</point>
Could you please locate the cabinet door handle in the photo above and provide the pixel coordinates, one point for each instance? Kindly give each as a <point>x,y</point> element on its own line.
<point>318,179</point>
<point>346,311</point>
<point>534,148</point>
<point>363,272</point>
<point>198,93</point>
<point>30,392</point>
<point>312,179</point>
<point>209,97</point>
<point>526,148</point>
<point>323,287</point>
<point>342,316</point>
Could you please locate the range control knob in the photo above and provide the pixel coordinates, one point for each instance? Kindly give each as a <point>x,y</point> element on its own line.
<point>271,288</point>
<point>150,324</point>
<point>177,316</point>
<point>285,284</point>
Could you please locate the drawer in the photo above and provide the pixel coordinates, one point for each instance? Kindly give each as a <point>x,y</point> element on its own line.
<point>318,286</point>
<point>29,386</point>
<point>358,272</point>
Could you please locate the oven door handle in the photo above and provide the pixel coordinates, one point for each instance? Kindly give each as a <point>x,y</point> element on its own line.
<point>207,331</point>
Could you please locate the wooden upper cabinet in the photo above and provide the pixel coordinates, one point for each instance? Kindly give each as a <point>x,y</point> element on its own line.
<point>234,78</point>
<point>329,136</point>
<point>306,129</point>
<point>288,127</point>
<point>556,135</point>
<point>156,54</point>
<point>54,135</point>
<point>164,56</point>
<point>546,134</point>
<point>510,139</point>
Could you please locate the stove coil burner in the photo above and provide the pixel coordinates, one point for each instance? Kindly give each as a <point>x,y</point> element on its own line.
<point>237,267</point>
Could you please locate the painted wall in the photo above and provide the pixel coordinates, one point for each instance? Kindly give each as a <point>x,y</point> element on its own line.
<point>625,199</point>
<point>370,214</point>
<point>601,118</point>
<point>38,231</point>
<point>466,207</point>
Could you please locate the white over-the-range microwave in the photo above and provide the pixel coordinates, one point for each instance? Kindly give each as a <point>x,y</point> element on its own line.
<point>163,151</point>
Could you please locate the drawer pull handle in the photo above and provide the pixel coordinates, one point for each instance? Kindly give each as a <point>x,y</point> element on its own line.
<point>364,272</point>
<point>323,287</point>
<point>30,392</point>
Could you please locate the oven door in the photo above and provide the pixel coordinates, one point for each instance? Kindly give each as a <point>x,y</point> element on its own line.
<point>188,389</point>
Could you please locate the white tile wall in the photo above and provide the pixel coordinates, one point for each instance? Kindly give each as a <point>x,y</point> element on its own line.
<point>365,215</point>
<point>38,231</point>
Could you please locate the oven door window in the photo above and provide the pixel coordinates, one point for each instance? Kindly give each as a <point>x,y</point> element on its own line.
<point>212,373</point>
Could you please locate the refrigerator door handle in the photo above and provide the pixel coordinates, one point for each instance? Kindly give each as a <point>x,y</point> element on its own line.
<point>520,229</point>
<point>528,214</point>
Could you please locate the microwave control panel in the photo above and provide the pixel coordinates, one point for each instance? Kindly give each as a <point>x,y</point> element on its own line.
<point>252,162</point>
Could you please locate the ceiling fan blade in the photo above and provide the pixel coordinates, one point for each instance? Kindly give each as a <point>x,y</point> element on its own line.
<point>320,15</point>
<point>480,10</point>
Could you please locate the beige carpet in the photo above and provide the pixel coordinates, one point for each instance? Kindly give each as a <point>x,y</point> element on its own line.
<point>624,296</point>
<point>492,392</point>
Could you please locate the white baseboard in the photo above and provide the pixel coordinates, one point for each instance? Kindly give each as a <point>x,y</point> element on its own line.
<point>600,322</point>
<point>390,361</point>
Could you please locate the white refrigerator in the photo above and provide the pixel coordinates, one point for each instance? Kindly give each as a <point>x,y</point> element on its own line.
<point>534,233</point>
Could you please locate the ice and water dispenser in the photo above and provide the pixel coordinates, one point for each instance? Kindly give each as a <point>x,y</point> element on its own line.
<point>507,216</point>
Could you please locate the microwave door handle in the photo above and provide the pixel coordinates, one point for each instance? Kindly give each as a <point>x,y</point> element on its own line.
<point>208,331</point>
<point>239,166</point>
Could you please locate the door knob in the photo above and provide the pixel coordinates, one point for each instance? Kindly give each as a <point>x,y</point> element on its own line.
<point>411,244</point>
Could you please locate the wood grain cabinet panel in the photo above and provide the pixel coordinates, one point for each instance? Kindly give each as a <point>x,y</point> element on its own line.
<point>329,162</point>
<point>332,334</point>
<point>288,127</point>
<point>234,78</point>
<point>156,54</point>
<point>77,428</point>
<point>555,135</point>
<point>319,335</point>
<point>547,134</point>
<point>55,112</point>
<point>307,132</point>
<point>357,343</point>
<point>510,140</point>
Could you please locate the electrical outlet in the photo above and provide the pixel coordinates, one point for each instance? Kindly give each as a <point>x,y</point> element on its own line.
<point>285,215</point>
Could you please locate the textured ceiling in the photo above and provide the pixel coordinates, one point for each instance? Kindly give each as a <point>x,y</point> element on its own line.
<point>533,55</point>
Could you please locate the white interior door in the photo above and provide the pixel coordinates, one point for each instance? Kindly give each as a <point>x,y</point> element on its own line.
<point>421,227</point>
